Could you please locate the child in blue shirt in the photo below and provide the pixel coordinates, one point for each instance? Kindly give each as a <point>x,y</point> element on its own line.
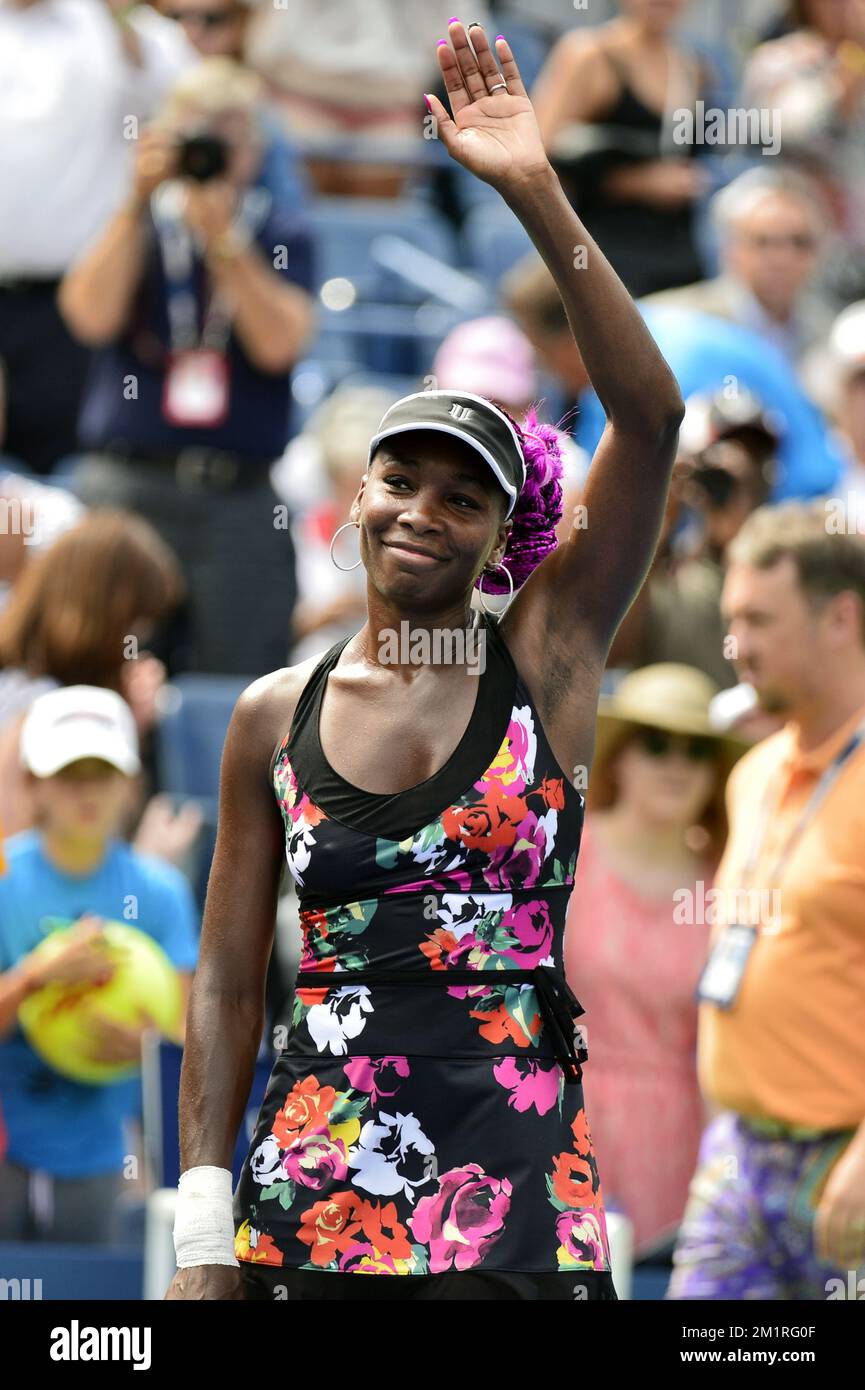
<point>61,1175</point>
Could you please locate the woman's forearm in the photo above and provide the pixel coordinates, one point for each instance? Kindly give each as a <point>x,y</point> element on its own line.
<point>272,319</point>
<point>633,382</point>
<point>97,292</point>
<point>223,1036</point>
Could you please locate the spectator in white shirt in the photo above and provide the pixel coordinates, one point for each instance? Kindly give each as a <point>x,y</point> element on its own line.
<point>76,77</point>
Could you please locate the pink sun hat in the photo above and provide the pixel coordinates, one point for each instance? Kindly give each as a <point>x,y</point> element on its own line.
<point>490,357</point>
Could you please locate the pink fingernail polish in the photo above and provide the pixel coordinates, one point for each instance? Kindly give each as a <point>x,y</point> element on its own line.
<point>455,20</point>
<point>499,36</point>
<point>440,42</point>
<point>427,100</point>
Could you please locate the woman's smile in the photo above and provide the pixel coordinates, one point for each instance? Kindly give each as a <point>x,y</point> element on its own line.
<point>414,554</point>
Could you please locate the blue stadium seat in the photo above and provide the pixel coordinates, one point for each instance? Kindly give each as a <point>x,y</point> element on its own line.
<point>191,731</point>
<point>530,46</point>
<point>53,1271</point>
<point>189,737</point>
<point>398,386</point>
<point>345,228</point>
<point>494,240</point>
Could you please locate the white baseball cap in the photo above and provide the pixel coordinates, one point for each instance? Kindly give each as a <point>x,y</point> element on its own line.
<point>75,722</point>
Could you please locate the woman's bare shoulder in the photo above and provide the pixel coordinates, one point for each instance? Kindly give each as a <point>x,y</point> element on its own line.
<point>264,710</point>
<point>578,56</point>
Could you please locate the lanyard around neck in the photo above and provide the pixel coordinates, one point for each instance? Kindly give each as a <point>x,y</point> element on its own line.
<point>176,244</point>
<point>818,796</point>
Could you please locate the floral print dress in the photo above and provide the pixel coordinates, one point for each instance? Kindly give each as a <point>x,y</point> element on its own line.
<point>424,1118</point>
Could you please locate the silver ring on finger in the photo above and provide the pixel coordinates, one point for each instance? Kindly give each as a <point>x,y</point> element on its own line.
<point>496,87</point>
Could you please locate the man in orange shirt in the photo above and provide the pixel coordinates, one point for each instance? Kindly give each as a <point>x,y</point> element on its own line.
<point>777,1206</point>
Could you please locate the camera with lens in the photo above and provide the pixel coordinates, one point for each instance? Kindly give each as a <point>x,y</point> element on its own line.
<point>202,157</point>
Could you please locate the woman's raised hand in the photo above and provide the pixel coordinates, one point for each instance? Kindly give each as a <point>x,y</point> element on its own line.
<point>493,134</point>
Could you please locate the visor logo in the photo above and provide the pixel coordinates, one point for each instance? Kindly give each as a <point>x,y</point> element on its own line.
<point>460,412</point>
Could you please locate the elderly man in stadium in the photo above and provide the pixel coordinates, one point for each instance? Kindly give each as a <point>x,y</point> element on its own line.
<point>771,232</point>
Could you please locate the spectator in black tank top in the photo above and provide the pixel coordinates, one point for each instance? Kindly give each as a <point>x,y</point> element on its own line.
<point>605,102</point>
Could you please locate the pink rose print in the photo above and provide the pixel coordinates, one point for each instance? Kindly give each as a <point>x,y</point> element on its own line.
<point>464,1219</point>
<point>314,1160</point>
<point>530,923</point>
<point>513,766</point>
<point>519,865</point>
<point>376,1077</point>
<point>529,1083</point>
<point>582,1236</point>
<point>454,881</point>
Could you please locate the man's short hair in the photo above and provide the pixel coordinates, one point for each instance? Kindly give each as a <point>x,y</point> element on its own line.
<point>213,85</point>
<point>531,295</point>
<point>737,199</point>
<point>827,562</point>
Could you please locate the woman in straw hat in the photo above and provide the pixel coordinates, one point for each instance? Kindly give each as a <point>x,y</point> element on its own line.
<point>637,933</point>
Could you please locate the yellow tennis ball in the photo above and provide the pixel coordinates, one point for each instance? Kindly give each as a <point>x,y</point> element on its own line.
<point>58,1019</point>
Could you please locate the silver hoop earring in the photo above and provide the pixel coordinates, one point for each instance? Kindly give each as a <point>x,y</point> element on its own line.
<point>500,612</point>
<point>344,568</point>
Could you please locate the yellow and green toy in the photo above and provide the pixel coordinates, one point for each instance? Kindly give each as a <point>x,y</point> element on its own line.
<point>57,1019</point>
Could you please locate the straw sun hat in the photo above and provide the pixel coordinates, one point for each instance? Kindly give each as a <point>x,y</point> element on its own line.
<point>668,696</point>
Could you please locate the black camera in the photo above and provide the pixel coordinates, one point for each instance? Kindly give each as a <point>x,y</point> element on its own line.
<point>202,157</point>
<point>717,484</point>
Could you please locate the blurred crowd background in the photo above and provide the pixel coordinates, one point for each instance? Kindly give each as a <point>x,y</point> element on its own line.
<point>230,240</point>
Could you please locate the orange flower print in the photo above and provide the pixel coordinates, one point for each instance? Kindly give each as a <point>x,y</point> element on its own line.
<point>312,814</point>
<point>573,1181</point>
<point>552,790</point>
<point>488,824</point>
<point>439,944</point>
<point>385,1233</point>
<point>255,1248</point>
<point>499,1024</point>
<point>580,1128</point>
<point>330,1225</point>
<point>305,1111</point>
<point>313,924</point>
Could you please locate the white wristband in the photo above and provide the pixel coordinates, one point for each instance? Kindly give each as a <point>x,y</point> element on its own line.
<point>204,1220</point>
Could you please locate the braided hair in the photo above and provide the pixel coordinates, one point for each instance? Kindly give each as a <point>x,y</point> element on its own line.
<point>539,506</point>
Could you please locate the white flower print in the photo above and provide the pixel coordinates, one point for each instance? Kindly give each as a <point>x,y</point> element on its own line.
<point>388,1151</point>
<point>460,912</point>
<point>298,846</point>
<point>437,858</point>
<point>550,821</point>
<point>266,1163</point>
<point>340,1017</point>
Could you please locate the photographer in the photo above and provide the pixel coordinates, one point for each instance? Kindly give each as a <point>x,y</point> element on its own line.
<point>196,293</point>
<point>75,75</point>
